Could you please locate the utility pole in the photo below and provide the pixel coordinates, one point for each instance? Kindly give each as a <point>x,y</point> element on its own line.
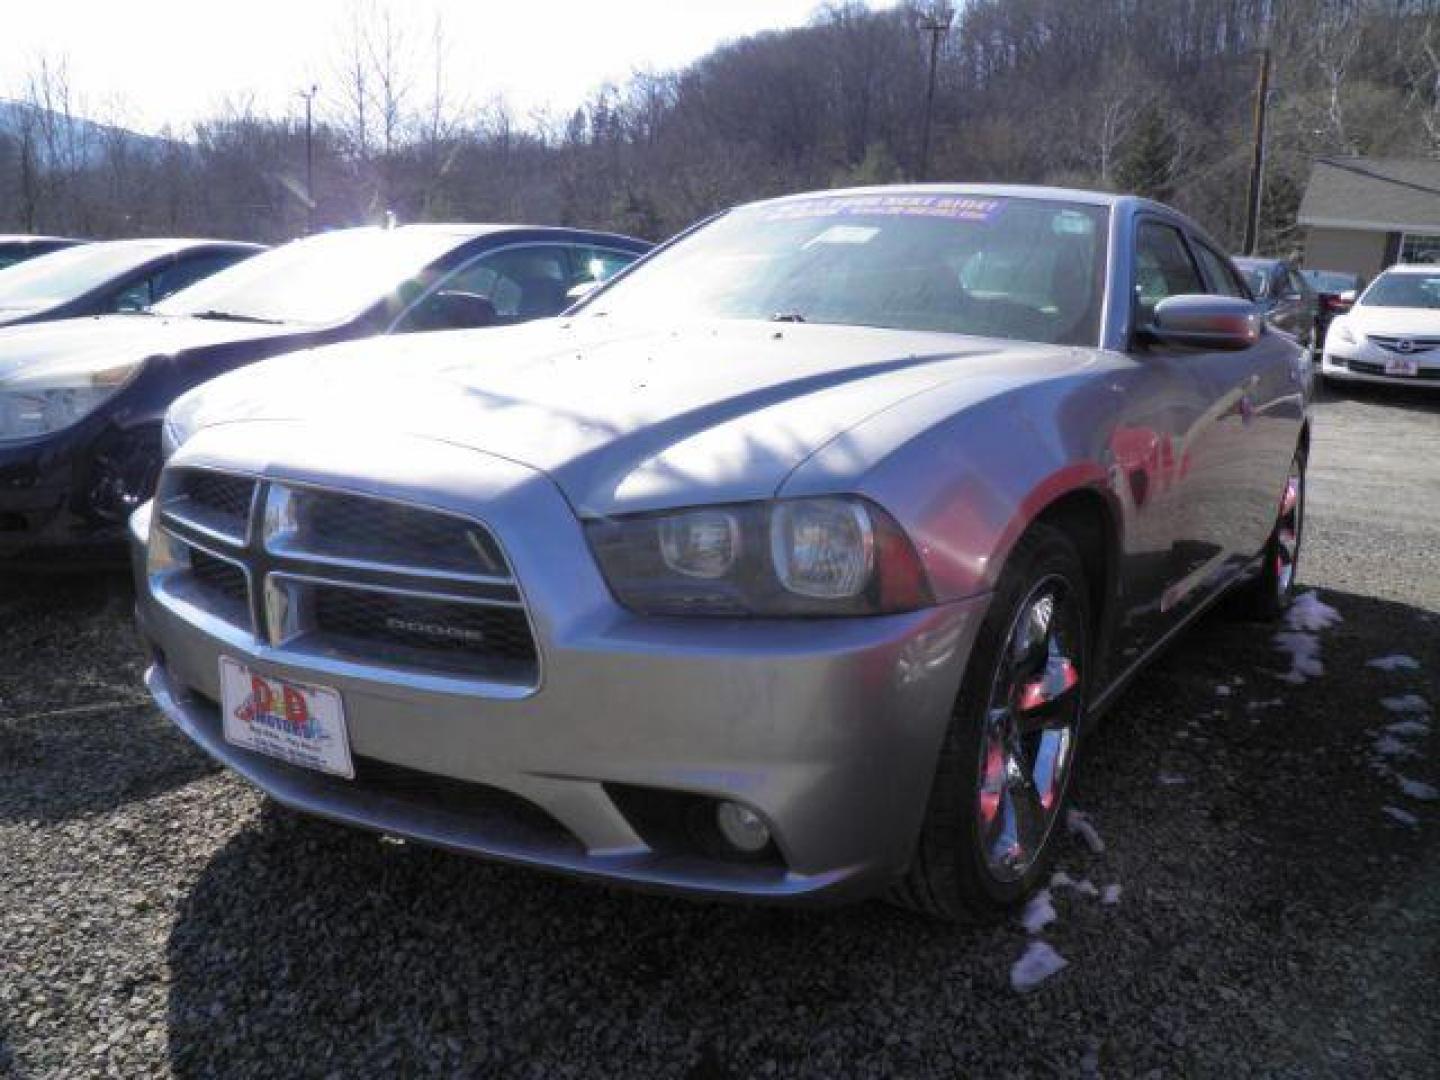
<point>937,24</point>
<point>309,96</point>
<point>1257,155</point>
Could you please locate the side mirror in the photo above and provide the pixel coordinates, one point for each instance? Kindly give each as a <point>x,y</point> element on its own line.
<point>576,293</point>
<point>1348,296</point>
<point>1205,322</point>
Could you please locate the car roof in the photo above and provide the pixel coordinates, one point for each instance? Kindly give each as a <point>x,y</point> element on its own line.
<point>1413,268</point>
<point>35,238</point>
<point>1026,191</point>
<point>473,230</point>
<point>167,246</point>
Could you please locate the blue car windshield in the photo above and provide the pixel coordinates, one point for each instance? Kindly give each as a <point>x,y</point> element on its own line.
<point>317,281</point>
<point>1404,290</point>
<point>992,266</point>
<point>61,276</point>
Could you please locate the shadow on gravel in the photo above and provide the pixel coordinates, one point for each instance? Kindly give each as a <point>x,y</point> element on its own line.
<point>77,733</point>
<point>1416,400</point>
<point>1273,920</point>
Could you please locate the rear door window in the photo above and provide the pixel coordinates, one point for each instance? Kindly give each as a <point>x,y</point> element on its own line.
<point>592,265</point>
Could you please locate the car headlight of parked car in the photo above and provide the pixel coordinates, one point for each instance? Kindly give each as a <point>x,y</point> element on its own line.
<point>837,555</point>
<point>52,399</point>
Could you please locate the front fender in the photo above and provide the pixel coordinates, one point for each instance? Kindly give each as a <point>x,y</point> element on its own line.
<point>966,483</point>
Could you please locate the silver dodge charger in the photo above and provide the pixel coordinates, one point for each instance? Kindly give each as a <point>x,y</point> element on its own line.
<point>795,562</point>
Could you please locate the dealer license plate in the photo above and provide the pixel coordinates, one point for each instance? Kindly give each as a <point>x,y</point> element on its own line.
<point>301,724</point>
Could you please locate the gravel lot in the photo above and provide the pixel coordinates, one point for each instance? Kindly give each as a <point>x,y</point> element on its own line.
<point>1274,919</point>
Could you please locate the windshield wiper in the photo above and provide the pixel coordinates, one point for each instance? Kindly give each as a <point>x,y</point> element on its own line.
<point>787,316</point>
<point>231,316</point>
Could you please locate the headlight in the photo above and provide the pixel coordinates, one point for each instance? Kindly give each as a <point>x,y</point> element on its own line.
<point>1342,331</point>
<point>828,556</point>
<point>53,399</point>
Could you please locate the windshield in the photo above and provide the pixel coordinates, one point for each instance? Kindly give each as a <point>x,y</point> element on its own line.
<point>315,281</point>
<point>52,279</point>
<point>1404,290</point>
<point>1028,269</point>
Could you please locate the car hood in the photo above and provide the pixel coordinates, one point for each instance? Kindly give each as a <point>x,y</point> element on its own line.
<point>1394,321</point>
<point>15,314</point>
<point>625,418</point>
<point>112,340</point>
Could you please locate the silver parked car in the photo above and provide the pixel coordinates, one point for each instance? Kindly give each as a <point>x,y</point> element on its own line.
<point>795,562</point>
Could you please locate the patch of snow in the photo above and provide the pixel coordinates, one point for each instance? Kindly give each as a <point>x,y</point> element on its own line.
<point>1061,880</point>
<point>1039,962</point>
<point>1404,817</point>
<point>1077,822</point>
<point>1406,704</point>
<point>1039,912</point>
<point>1171,779</point>
<point>1310,613</point>
<point>1110,894</point>
<point>1408,727</point>
<point>1389,746</point>
<point>1304,650</point>
<point>1394,662</point>
<point>1418,789</point>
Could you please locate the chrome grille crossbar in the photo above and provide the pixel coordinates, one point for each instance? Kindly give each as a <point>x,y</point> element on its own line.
<point>355,576</point>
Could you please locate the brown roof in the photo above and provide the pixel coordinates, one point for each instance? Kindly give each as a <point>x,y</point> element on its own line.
<point>1388,194</point>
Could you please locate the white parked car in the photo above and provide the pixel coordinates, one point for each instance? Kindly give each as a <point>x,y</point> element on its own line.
<point>1392,334</point>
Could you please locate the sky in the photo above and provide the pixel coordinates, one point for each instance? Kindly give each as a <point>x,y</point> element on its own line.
<point>174,61</point>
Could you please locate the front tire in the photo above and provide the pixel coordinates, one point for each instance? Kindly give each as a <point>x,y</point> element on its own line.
<point>1268,596</point>
<point>1002,778</point>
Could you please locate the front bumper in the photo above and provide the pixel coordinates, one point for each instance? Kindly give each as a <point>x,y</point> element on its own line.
<point>1364,361</point>
<point>69,493</point>
<point>829,729</point>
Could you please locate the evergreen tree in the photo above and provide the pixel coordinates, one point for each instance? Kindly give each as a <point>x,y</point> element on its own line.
<point>1146,164</point>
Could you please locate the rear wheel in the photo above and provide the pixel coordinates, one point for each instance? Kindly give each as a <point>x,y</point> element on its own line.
<point>1269,595</point>
<point>1004,769</point>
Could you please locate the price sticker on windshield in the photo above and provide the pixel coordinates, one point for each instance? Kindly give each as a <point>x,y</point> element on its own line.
<point>953,207</point>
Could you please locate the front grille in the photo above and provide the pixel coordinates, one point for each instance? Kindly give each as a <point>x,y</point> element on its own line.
<point>460,629</point>
<point>346,576</point>
<point>219,504</point>
<point>218,577</point>
<point>339,525</point>
<point>1392,344</point>
<point>226,495</point>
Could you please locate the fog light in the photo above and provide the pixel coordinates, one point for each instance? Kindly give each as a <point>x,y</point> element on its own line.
<point>742,828</point>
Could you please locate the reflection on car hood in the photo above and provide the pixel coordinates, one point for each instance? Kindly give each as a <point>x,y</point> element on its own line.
<point>1395,321</point>
<point>625,418</point>
<point>116,339</point>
